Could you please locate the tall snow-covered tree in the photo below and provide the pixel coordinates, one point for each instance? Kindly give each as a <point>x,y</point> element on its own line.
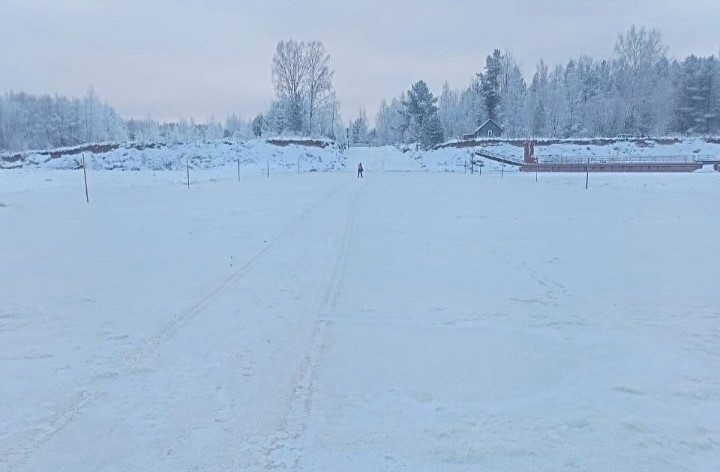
<point>257,125</point>
<point>390,122</point>
<point>289,74</point>
<point>318,81</point>
<point>490,83</point>
<point>512,106</point>
<point>698,96</point>
<point>419,106</point>
<point>431,132</point>
<point>637,55</point>
<point>303,83</point>
<point>359,128</point>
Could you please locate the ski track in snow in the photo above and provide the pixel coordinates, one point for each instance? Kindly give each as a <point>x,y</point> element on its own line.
<point>405,321</point>
<point>128,362</point>
<point>285,450</point>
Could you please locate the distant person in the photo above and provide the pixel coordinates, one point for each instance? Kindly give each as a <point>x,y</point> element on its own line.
<point>360,170</point>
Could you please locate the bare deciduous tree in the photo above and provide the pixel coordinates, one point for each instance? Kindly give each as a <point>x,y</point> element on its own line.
<point>318,80</point>
<point>289,70</point>
<point>638,53</point>
<point>303,82</point>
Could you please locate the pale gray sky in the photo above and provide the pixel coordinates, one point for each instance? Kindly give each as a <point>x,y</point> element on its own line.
<point>199,58</point>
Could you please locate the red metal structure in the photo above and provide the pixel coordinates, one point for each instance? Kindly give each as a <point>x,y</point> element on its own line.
<point>529,155</point>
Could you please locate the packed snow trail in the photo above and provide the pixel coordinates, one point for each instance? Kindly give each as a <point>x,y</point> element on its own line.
<point>323,322</point>
<point>381,159</point>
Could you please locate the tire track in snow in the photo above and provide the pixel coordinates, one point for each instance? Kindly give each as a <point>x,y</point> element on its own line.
<point>15,457</point>
<point>285,448</point>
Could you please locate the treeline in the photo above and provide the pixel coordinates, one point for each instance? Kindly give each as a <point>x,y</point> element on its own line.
<point>40,122</point>
<point>44,122</point>
<point>639,91</point>
<point>305,104</point>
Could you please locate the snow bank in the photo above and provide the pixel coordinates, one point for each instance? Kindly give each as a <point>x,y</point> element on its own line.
<point>283,154</point>
<point>554,149</point>
<point>454,155</point>
<point>254,155</point>
<point>458,160</point>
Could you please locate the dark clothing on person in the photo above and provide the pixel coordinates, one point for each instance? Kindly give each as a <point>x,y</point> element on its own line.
<point>360,170</point>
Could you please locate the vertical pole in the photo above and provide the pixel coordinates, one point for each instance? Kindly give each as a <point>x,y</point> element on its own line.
<point>502,172</point>
<point>238,170</point>
<point>187,168</point>
<point>267,162</point>
<point>87,195</point>
<point>535,176</point>
<point>587,173</point>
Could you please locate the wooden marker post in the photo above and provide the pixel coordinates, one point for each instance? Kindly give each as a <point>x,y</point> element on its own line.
<point>87,195</point>
<point>587,173</point>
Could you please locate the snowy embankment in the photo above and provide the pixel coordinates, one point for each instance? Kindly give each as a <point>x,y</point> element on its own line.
<point>549,150</point>
<point>308,155</point>
<point>254,156</point>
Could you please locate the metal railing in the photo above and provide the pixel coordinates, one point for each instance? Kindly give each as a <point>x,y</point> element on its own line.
<point>695,159</point>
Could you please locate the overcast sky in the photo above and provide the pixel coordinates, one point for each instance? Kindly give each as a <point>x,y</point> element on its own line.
<point>175,59</point>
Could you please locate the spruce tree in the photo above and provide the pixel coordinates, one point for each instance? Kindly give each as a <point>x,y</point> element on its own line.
<point>419,106</point>
<point>431,132</point>
<point>490,83</point>
<point>257,125</point>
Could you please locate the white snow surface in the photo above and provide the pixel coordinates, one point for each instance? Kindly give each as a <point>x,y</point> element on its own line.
<point>417,321</point>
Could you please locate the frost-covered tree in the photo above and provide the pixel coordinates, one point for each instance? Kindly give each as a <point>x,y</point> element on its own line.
<point>327,120</point>
<point>318,81</point>
<point>417,108</point>
<point>390,122</point>
<point>40,122</point>
<point>289,70</point>
<point>303,84</point>
<point>490,83</point>
<point>638,53</point>
<point>512,106</point>
<point>257,125</point>
<point>698,97</point>
<point>237,127</point>
<point>359,128</point>
<point>431,132</point>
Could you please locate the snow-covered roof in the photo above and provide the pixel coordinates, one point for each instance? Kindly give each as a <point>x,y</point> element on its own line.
<point>486,122</point>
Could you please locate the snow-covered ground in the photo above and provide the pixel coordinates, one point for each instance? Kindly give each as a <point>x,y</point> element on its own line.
<point>415,321</point>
